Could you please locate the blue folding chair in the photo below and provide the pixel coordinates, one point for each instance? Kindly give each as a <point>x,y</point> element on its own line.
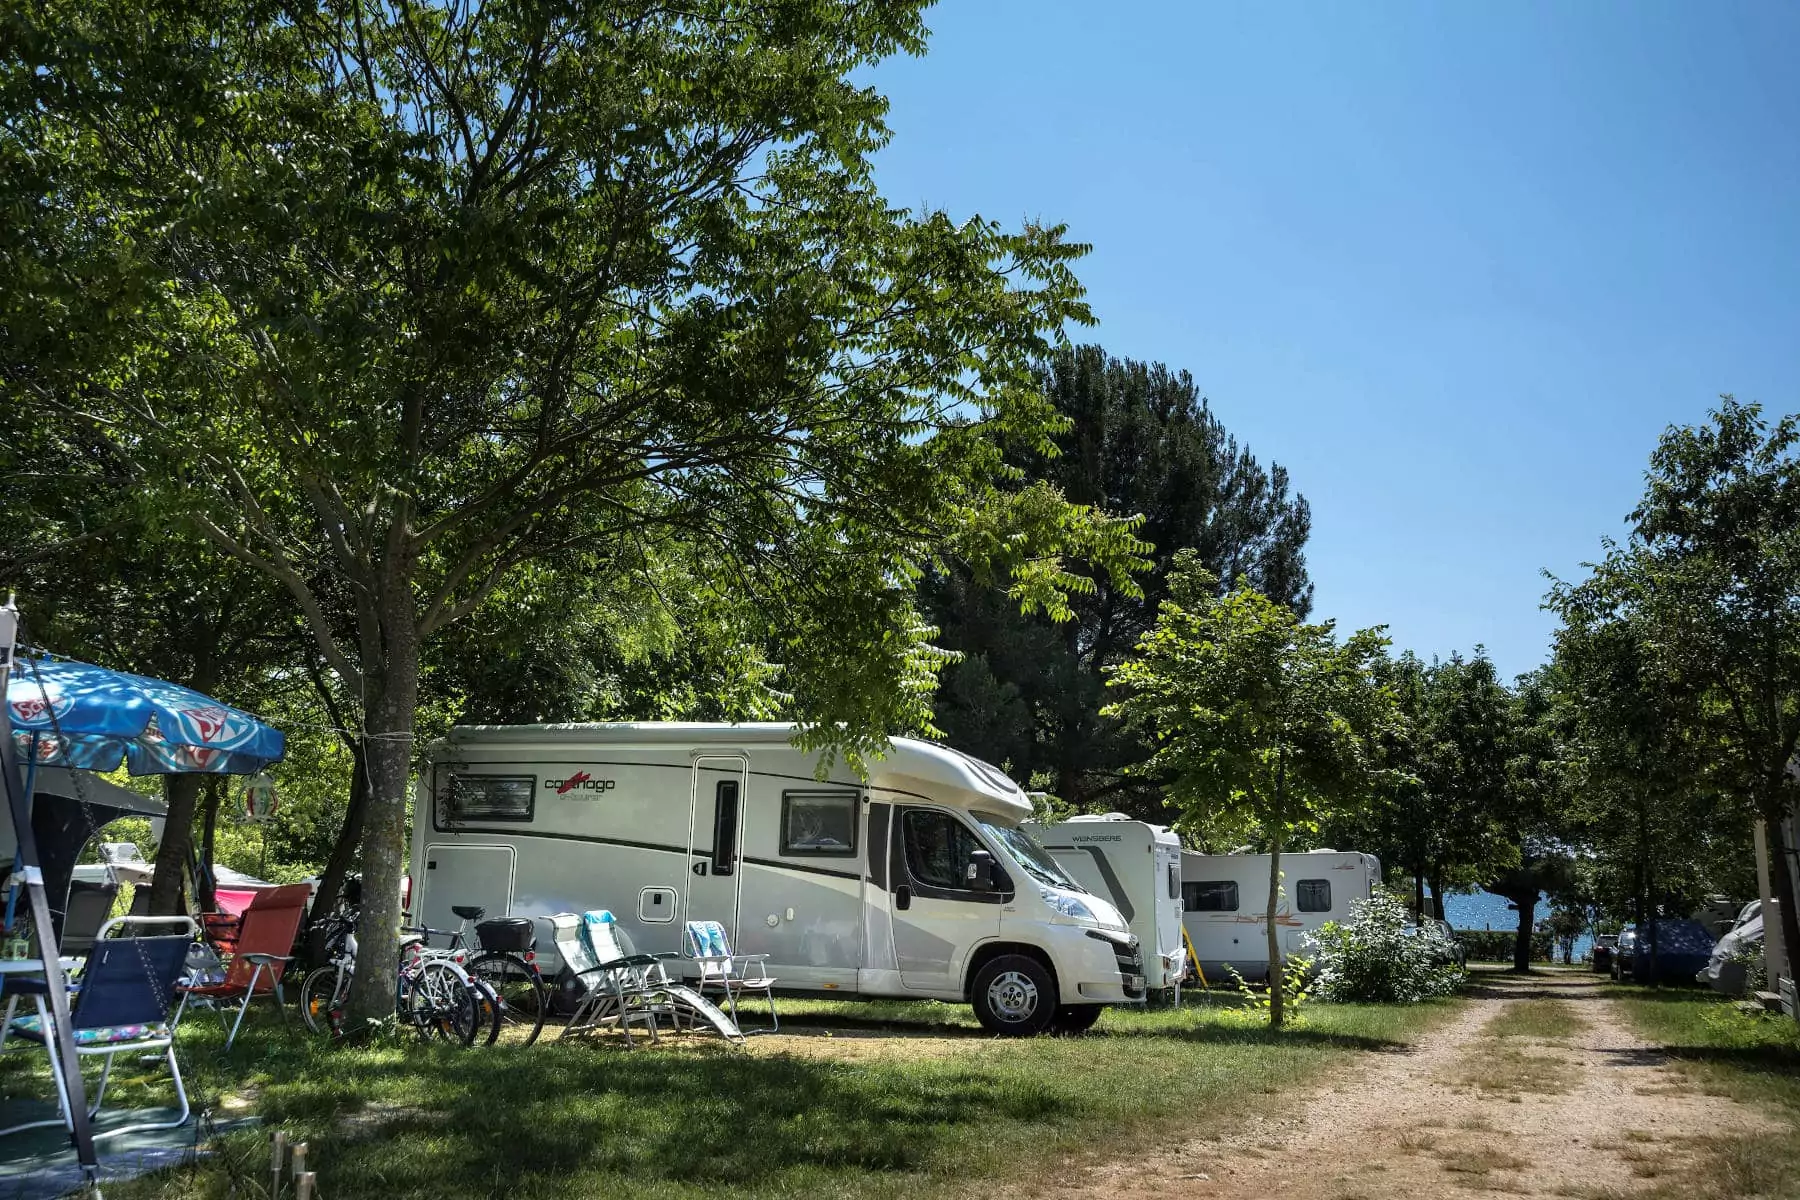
<point>125,1005</point>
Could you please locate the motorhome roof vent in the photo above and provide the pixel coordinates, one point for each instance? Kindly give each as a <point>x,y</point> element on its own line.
<point>1111,816</point>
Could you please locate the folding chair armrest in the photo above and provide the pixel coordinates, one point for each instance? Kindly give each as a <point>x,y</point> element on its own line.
<point>266,960</point>
<point>711,958</point>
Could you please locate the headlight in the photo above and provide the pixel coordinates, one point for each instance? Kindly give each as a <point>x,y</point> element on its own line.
<point>1070,906</point>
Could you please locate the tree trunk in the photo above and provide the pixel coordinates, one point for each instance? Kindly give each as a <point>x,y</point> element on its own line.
<point>1418,896</point>
<point>388,754</point>
<point>1527,906</point>
<point>1437,896</point>
<point>343,853</point>
<point>182,792</point>
<point>1275,971</point>
<point>208,900</point>
<point>1781,882</point>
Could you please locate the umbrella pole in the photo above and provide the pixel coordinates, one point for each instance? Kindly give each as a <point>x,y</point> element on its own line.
<point>19,804</point>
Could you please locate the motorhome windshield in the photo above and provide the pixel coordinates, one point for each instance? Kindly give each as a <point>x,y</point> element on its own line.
<point>1035,860</point>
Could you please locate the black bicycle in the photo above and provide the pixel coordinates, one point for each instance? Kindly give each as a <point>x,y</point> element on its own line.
<point>507,965</point>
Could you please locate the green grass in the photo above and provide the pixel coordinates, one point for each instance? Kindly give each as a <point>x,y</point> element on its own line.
<point>879,1100</point>
<point>1752,1059</point>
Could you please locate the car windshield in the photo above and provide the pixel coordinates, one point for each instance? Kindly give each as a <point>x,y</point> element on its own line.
<point>1024,850</point>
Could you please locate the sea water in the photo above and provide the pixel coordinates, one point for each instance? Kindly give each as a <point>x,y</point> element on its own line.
<point>1484,910</point>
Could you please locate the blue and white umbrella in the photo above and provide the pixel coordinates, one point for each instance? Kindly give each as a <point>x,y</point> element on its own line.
<point>74,714</point>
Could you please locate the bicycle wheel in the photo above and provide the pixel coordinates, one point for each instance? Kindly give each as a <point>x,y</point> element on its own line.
<point>441,1004</point>
<point>519,995</point>
<point>322,996</point>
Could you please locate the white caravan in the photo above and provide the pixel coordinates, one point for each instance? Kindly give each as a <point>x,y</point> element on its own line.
<point>1225,904</point>
<point>1137,866</point>
<point>914,882</point>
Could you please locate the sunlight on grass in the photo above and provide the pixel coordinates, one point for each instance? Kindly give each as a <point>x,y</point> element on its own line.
<point>1540,1020</point>
<point>945,1105</point>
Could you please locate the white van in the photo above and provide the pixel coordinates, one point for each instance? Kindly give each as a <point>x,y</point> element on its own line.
<point>1137,866</point>
<point>914,882</point>
<point>1225,904</point>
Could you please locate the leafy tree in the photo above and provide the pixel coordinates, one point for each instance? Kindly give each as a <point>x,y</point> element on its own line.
<point>1139,440</point>
<point>1642,784</point>
<point>101,583</point>
<point>1708,588</point>
<point>1252,710</point>
<point>1441,816</point>
<point>393,302</point>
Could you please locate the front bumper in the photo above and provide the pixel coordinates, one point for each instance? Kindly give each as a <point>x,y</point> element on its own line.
<point>1128,963</point>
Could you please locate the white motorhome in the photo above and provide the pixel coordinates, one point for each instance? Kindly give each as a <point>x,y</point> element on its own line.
<point>1225,904</point>
<point>913,882</point>
<point>1137,866</point>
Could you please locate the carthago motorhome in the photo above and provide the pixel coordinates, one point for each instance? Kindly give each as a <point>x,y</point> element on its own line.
<point>1225,903</point>
<point>916,881</point>
<point>1137,866</point>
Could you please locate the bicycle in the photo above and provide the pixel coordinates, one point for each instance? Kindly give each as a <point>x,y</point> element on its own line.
<point>507,965</point>
<point>433,992</point>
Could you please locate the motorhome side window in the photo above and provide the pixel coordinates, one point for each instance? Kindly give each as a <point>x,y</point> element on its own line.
<point>1174,881</point>
<point>819,824</point>
<point>1210,895</point>
<point>938,847</point>
<point>1313,895</point>
<point>490,797</point>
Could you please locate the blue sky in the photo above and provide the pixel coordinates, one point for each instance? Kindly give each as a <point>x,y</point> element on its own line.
<point>1455,265</point>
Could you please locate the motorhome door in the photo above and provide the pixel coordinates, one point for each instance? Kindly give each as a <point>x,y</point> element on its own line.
<point>715,840</point>
<point>938,914</point>
<point>463,873</point>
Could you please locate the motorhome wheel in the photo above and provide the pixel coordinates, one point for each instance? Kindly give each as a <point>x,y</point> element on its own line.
<point>1014,995</point>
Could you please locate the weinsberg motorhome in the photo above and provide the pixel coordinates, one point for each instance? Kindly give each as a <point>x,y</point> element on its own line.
<point>1225,904</point>
<point>1137,866</point>
<point>916,881</point>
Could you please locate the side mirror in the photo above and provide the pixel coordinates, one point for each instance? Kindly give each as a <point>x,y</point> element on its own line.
<point>980,872</point>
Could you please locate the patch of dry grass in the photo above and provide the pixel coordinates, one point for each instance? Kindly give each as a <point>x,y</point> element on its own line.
<point>1507,1071</point>
<point>1539,1020</point>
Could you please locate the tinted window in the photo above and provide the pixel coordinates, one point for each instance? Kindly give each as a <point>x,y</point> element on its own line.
<point>725,825</point>
<point>1210,895</point>
<point>938,847</point>
<point>1313,895</point>
<point>818,824</point>
<point>1174,881</point>
<point>491,797</point>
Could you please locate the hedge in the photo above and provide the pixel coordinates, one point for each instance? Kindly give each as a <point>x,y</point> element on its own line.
<point>1496,945</point>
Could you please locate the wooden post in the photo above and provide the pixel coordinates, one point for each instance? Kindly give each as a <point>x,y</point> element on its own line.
<point>298,1161</point>
<point>303,1186</point>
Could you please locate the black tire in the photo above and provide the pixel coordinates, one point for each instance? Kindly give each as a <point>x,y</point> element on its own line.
<point>1074,1018</point>
<point>440,1004</point>
<point>1014,996</point>
<point>322,1001</point>
<point>519,995</point>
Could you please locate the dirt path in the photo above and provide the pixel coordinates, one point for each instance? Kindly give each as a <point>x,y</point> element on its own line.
<point>1537,1088</point>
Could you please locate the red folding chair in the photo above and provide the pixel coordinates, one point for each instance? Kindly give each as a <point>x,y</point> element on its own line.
<point>264,947</point>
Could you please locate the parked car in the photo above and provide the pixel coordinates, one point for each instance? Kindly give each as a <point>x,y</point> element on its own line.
<point>1620,966</point>
<point>1602,956</point>
<point>1682,950</point>
<point>1726,971</point>
<point>1454,950</point>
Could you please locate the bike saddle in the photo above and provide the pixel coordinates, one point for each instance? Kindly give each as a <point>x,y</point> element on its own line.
<point>468,912</point>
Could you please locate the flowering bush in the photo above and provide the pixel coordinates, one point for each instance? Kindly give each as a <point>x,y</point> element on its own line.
<point>1377,957</point>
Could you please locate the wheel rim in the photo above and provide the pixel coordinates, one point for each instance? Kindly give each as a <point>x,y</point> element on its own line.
<point>1013,996</point>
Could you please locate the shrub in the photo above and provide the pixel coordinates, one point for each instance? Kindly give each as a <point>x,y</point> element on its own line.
<point>1496,945</point>
<point>1377,957</point>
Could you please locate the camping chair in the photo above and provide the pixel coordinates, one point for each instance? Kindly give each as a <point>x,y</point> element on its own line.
<point>729,974</point>
<point>124,1006</point>
<point>612,991</point>
<point>262,950</point>
<point>682,1005</point>
<point>90,904</point>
